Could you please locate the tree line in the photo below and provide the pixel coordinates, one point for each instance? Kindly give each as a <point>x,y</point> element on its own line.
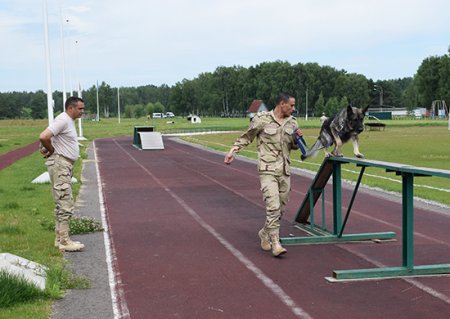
<point>228,91</point>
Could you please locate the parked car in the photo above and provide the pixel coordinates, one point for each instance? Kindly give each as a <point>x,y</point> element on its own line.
<point>170,114</point>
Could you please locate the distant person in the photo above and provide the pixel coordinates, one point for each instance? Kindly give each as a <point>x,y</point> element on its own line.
<point>323,118</point>
<point>274,132</point>
<point>60,148</point>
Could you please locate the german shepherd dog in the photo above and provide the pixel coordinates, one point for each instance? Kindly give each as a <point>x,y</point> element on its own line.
<point>339,129</point>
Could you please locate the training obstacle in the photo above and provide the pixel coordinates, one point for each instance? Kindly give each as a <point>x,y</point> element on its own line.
<point>145,138</point>
<point>304,219</point>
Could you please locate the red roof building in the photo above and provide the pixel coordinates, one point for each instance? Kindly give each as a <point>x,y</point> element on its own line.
<point>256,107</point>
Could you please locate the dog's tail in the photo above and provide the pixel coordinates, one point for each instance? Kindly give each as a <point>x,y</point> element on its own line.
<point>313,151</point>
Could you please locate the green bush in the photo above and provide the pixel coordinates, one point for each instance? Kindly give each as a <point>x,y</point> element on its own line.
<point>84,225</point>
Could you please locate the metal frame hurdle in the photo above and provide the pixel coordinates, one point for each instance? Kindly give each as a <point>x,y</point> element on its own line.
<point>320,234</point>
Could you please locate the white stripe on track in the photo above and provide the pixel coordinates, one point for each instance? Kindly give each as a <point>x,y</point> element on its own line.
<point>420,286</point>
<point>328,202</point>
<point>267,281</point>
<point>199,141</point>
<point>120,308</point>
<point>412,281</point>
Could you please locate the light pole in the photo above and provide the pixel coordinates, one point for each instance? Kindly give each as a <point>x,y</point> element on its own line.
<point>379,88</point>
<point>80,121</point>
<point>63,64</point>
<point>47,58</point>
<point>118,104</point>
<point>306,100</point>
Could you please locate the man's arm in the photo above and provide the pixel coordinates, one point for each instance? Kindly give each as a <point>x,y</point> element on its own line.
<point>46,141</point>
<point>245,139</point>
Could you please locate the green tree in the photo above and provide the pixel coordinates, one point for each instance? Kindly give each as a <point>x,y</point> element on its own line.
<point>38,105</point>
<point>332,106</point>
<point>427,80</point>
<point>320,105</point>
<point>159,107</point>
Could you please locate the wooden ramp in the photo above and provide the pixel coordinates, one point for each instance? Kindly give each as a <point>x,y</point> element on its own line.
<point>318,184</point>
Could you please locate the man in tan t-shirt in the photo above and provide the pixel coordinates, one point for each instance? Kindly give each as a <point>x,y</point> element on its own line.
<point>60,148</point>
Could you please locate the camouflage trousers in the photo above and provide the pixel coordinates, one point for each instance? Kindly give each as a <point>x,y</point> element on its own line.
<point>276,191</point>
<point>60,172</point>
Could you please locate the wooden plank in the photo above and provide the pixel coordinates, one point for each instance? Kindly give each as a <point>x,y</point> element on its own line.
<point>319,182</point>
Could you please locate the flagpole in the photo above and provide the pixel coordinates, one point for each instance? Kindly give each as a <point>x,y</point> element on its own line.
<point>80,127</point>
<point>118,104</point>
<point>47,59</point>
<point>69,64</point>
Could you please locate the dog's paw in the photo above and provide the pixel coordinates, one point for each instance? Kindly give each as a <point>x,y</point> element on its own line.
<point>359,155</point>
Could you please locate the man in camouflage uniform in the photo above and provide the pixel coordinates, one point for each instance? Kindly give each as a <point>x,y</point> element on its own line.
<point>60,148</point>
<point>274,132</point>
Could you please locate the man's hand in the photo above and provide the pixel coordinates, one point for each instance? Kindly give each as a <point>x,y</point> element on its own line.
<point>230,155</point>
<point>229,158</point>
<point>45,152</point>
<point>46,147</point>
<point>298,132</point>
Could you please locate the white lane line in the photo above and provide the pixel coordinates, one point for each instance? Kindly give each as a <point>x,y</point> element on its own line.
<point>417,284</point>
<point>269,283</point>
<point>447,190</point>
<point>328,202</point>
<point>120,308</point>
<point>413,282</point>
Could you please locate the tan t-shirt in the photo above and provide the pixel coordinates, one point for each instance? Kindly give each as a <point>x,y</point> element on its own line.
<point>64,138</point>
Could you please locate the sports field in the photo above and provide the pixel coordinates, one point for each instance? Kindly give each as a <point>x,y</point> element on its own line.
<point>419,143</point>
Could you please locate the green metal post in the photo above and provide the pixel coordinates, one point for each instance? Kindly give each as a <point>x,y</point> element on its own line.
<point>350,205</point>
<point>408,220</point>
<point>337,198</point>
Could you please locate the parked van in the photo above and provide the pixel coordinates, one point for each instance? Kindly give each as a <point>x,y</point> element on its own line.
<point>158,115</point>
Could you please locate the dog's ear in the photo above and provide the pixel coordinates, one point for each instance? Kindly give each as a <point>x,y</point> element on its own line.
<point>364,110</point>
<point>349,111</point>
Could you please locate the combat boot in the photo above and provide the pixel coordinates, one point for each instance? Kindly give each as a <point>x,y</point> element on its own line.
<point>277,249</point>
<point>65,243</point>
<point>57,235</point>
<point>265,240</point>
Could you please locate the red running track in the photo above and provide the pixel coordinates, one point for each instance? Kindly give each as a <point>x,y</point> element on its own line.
<point>184,230</point>
<point>15,155</point>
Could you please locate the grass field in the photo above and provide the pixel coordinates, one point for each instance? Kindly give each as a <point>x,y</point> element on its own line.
<point>26,209</point>
<point>417,146</point>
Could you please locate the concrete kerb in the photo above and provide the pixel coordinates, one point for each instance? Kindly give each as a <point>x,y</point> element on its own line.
<point>91,262</point>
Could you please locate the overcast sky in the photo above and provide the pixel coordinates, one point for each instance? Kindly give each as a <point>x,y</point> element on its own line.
<point>141,42</point>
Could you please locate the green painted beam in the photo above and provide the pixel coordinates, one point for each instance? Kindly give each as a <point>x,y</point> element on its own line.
<point>391,272</point>
<point>324,239</point>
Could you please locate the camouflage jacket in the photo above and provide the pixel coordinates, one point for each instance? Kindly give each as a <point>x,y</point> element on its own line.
<point>274,143</point>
